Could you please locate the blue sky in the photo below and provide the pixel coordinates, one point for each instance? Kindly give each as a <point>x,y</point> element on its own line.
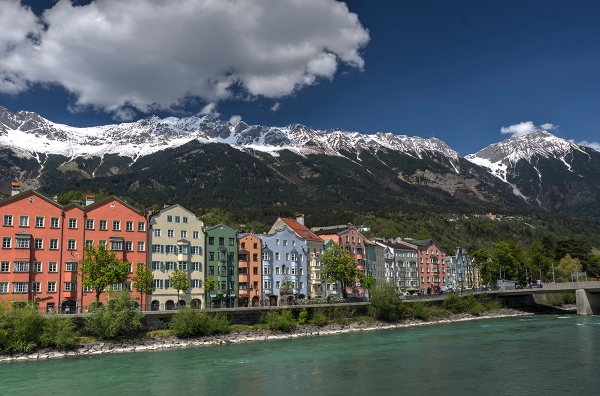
<point>459,71</point>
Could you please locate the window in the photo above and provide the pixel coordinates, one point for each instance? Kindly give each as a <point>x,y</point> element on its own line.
<point>129,246</point>
<point>277,284</point>
<point>5,266</point>
<point>116,245</point>
<point>183,234</point>
<point>254,270</point>
<point>38,243</point>
<point>89,242</point>
<point>196,283</point>
<point>71,245</point>
<point>128,286</point>
<point>102,226</point>
<point>301,271</point>
<point>277,242</point>
<point>116,225</point>
<point>255,257</point>
<point>294,271</point>
<point>101,242</point>
<point>20,287</point>
<point>36,287</point>
<point>170,265</point>
<point>171,233</point>
<point>196,266</point>
<point>211,256</point>
<point>70,266</point>
<point>277,271</point>
<point>231,285</point>
<point>301,285</point>
<point>39,221</point>
<point>287,256</point>
<point>37,266</point>
<point>231,241</point>
<point>223,271</point>
<point>8,220</point>
<point>6,242</point>
<point>156,265</point>
<point>158,283</point>
<point>141,226</point>
<point>157,232</point>
<point>72,223</point>
<point>129,226</point>
<point>52,267</point>
<point>89,224</point>
<point>157,248</point>
<point>285,242</point>
<point>177,219</point>
<point>23,243</point>
<point>169,219</point>
<point>54,222</point>
<point>24,221</point>
<point>211,240</point>
<point>183,249</point>
<point>265,256</point>
<point>3,287</point>
<point>116,286</point>
<point>88,289</point>
<point>231,258</point>
<point>231,270</point>
<point>267,285</point>
<point>183,265</point>
<point>167,284</point>
<point>276,255</point>
<point>51,287</point>
<point>141,247</point>
<point>70,286</point>
<point>266,271</point>
<point>195,234</point>
<point>211,270</point>
<point>196,250</point>
<point>185,219</point>
<point>221,241</point>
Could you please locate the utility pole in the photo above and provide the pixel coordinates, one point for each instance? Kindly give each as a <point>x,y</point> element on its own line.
<point>553,280</point>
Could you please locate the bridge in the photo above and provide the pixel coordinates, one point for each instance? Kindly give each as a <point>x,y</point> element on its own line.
<point>587,294</point>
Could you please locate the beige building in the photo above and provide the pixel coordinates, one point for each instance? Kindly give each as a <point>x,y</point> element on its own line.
<point>177,240</point>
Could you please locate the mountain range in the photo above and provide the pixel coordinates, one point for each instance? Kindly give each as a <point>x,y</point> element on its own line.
<point>204,162</point>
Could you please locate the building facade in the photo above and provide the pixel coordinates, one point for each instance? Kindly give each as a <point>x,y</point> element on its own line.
<point>284,267</point>
<point>249,270</point>
<point>222,265</point>
<point>432,265</point>
<point>177,240</point>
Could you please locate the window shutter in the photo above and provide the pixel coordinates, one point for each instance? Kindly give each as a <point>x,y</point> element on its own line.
<point>162,248</point>
<point>162,267</point>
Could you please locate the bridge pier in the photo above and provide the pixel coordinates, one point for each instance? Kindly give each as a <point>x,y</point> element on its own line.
<point>587,303</point>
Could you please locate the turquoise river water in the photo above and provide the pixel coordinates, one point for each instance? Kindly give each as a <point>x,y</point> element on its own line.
<point>542,355</point>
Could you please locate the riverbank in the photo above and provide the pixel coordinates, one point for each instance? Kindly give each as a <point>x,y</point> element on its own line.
<point>161,343</point>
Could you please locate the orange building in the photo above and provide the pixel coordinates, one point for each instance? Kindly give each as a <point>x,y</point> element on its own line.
<point>42,243</point>
<point>249,270</point>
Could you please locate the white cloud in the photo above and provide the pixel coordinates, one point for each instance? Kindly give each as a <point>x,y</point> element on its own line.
<point>235,119</point>
<point>145,55</point>
<point>594,145</point>
<point>210,109</point>
<point>275,107</point>
<point>527,127</point>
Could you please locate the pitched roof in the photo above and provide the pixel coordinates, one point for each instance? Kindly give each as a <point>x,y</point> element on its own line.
<point>398,245</point>
<point>300,230</point>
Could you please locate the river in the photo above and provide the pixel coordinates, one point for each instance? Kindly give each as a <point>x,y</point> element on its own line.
<point>542,355</point>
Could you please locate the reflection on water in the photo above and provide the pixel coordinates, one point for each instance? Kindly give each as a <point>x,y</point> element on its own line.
<point>540,355</point>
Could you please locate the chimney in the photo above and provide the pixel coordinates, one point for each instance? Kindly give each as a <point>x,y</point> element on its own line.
<point>55,198</point>
<point>300,218</point>
<point>89,199</point>
<point>15,188</point>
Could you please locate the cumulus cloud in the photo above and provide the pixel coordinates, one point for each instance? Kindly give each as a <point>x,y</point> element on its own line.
<point>275,107</point>
<point>594,145</point>
<point>235,119</point>
<point>527,127</point>
<point>210,109</point>
<point>146,55</point>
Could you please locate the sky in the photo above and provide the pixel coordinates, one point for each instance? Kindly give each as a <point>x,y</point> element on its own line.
<point>470,73</point>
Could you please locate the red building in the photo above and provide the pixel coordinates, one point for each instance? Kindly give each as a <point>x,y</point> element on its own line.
<point>432,265</point>
<point>42,243</point>
<point>249,270</point>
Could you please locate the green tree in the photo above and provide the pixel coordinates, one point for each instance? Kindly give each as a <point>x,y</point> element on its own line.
<point>568,265</point>
<point>143,282</point>
<point>368,282</point>
<point>508,257</point>
<point>210,284</point>
<point>340,267</point>
<point>100,267</point>
<point>286,285</point>
<point>179,281</point>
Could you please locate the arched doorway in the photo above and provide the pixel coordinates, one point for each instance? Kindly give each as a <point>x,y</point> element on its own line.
<point>182,303</point>
<point>196,303</point>
<point>256,301</point>
<point>273,301</point>
<point>154,305</point>
<point>69,307</point>
<point>169,305</point>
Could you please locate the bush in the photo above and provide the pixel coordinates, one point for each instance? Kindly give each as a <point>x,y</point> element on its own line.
<point>319,319</point>
<point>119,319</point>
<point>20,329</point>
<point>58,332</point>
<point>188,323</point>
<point>303,317</point>
<point>385,303</point>
<point>421,311</point>
<point>282,321</point>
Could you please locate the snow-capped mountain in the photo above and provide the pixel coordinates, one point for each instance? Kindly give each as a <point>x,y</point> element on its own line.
<point>540,167</point>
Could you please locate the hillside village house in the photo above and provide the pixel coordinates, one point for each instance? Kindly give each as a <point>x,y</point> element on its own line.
<point>177,240</point>
<point>314,244</point>
<point>42,243</point>
<point>284,267</point>
<point>249,270</point>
